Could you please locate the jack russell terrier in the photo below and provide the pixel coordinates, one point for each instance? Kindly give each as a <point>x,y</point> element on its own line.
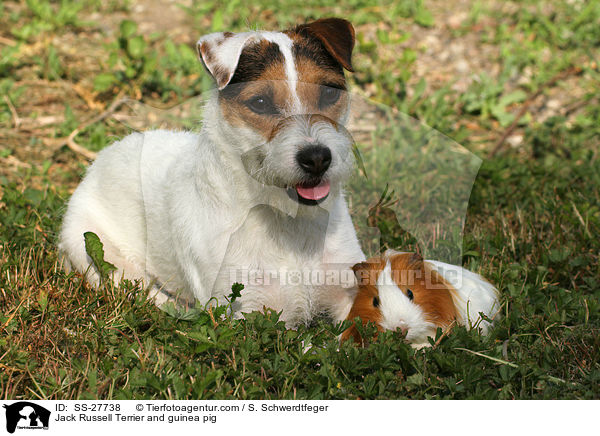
<point>255,196</point>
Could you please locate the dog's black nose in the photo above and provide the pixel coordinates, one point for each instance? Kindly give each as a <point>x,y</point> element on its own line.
<point>314,159</point>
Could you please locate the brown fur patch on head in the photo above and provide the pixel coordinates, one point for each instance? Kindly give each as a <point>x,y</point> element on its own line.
<point>320,54</point>
<point>312,96</point>
<point>336,35</point>
<point>260,72</point>
<point>321,50</point>
<point>430,291</point>
<point>365,302</point>
<point>261,60</point>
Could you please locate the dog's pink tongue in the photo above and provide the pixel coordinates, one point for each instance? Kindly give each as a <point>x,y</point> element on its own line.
<point>314,193</point>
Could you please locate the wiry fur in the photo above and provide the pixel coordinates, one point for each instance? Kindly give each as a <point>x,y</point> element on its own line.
<point>189,211</point>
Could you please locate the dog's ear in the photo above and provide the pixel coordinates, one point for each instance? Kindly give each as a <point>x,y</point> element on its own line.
<point>220,53</point>
<point>337,35</point>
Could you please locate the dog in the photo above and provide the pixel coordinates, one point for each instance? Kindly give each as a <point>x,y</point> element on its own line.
<point>255,196</point>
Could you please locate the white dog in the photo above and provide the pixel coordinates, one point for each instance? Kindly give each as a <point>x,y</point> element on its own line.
<point>256,196</point>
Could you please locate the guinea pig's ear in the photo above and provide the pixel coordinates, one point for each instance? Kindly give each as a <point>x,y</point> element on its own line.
<point>416,257</point>
<point>360,267</point>
<point>404,260</point>
<point>362,271</point>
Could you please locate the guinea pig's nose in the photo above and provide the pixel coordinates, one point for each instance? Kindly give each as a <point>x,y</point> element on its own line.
<point>314,159</point>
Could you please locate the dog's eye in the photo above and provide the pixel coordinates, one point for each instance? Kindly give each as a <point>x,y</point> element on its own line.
<point>409,294</point>
<point>375,302</point>
<point>329,96</point>
<point>261,105</point>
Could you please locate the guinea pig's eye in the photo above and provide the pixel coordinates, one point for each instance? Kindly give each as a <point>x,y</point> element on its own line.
<point>375,301</point>
<point>409,294</point>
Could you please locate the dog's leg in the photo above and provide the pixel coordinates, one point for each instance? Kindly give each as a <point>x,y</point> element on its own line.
<point>108,203</point>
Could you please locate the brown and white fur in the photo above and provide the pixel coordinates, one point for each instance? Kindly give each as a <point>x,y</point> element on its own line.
<point>259,188</point>
<point>402,291</point>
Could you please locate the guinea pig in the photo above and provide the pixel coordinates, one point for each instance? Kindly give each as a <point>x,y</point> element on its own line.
<point>401,290</point>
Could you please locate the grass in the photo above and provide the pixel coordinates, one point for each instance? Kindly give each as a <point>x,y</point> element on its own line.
<point>532,221</point>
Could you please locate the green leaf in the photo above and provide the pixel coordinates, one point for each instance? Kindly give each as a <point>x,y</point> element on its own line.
<point>471,253</point>
<point>128,28</point>
<point>136,47</point>
<point>423,17</point>
<point>559,255</point>
<point>217,21</point>
<point>236,291</point>
<point>95,249</point>
<point>104,81</point>
<point>416,379</point>
<point>503,117</point>
<point>130,72</point>
<point>418,90</point>
<point>92,380</point>
<point>383,36</point>
<point>33,196</point>
<point>359,159</point>
<point>43,300</point>
<point>514,97</point>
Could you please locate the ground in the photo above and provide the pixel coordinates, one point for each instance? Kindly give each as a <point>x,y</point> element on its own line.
<point>515,83</point>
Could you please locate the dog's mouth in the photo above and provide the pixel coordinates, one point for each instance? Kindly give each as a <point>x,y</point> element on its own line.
<point>310,193</point>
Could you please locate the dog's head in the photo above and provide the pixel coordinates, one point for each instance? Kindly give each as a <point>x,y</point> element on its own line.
<point>282,102</point>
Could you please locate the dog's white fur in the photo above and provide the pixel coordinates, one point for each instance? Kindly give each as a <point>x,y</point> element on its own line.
<point>181,211</point>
